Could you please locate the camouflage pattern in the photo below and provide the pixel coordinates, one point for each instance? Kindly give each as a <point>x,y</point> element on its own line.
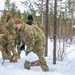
<point>27,64</point>
<point>9,25</point>
<point>18,42</point>
<point>6,47</point>
<point>34,38</point>
<point>3,46</point>
<point>1,28</point>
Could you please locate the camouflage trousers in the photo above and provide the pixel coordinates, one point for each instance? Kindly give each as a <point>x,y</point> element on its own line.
<point>15,56</point>
<point>18,50</point>
<point>5,52</point>
<point>41,62</point>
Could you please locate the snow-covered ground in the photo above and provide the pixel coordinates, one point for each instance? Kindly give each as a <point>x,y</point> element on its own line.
<point>65,67</point>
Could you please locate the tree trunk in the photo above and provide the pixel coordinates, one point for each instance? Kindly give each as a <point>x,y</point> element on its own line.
<point>46,28</point>
<point>55,18</point>
<point>72,21</point>
<point>42,13</point>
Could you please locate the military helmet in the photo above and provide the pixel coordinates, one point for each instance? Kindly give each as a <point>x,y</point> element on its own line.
<point>30,17</point>
<point>18,21</point>
<point>6,33</point>
<point>8,15</point>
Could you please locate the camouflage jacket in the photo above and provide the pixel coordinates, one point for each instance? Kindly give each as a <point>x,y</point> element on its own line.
<point>3,40</point>
<point>29,35</point>
<point>9,26</point>
<point>1,30</point>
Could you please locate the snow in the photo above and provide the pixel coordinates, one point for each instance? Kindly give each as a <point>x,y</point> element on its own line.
<point>65,67</point>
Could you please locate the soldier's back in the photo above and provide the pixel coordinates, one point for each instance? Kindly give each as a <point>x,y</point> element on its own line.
<point>1,38</point>
<point>1,28</point>
<point>40,33</point>
<point>9,26</point>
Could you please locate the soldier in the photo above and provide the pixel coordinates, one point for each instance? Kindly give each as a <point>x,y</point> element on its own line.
<point>3,45</point>
<point>9,25</point>
<point>35,40</point>
<point>29,20</point>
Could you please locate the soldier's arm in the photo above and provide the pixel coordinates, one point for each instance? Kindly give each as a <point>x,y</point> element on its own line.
<point>30,44</point>
<point>4,43</point>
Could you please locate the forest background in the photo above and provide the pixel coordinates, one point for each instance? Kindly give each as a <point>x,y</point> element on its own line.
<point>65,23</point>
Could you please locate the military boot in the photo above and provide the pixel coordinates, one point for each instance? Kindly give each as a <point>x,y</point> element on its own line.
<point>43,64</point>
<point>27,64</point>
<point>45,68</point>
<point>14,58</point>
<point>8,57</point>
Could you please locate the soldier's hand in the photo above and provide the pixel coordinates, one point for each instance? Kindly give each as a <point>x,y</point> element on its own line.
<point>27,53</point>
<point>22,47</point>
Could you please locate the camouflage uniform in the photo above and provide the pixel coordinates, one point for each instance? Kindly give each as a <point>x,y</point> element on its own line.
<point>35,40</point>
<point>1,28</point>
<point>9,25</point>
<point>4,46</point>
<point>18,43</point>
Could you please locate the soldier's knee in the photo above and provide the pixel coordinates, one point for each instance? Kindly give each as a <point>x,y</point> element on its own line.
<point>27,64</point>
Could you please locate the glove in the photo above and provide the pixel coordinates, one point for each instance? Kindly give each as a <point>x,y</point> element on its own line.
<point>22,47</point>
